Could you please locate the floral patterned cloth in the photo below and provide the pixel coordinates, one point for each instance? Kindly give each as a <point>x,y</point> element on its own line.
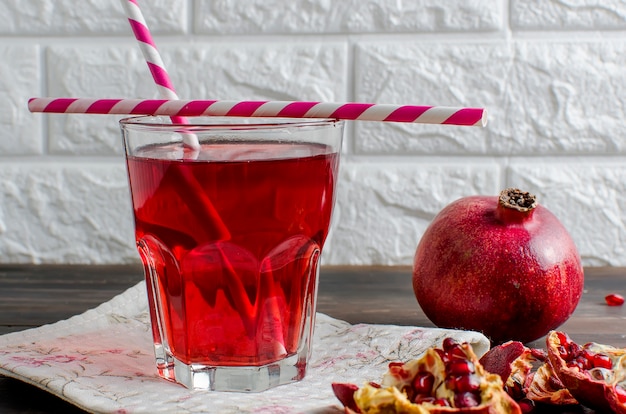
<point>102,361</point>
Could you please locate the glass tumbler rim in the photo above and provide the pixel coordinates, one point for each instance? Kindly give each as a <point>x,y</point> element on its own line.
<point>216,123</point>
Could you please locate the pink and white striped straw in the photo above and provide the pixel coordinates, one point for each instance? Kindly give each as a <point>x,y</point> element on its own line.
<point>153,59</point>
<point>422,114</point>
<point>178,109</point>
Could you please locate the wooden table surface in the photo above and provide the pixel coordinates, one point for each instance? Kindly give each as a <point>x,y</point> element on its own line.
<point>31,296</point>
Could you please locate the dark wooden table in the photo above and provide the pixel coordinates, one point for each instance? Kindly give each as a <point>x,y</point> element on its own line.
<point>31,296</point>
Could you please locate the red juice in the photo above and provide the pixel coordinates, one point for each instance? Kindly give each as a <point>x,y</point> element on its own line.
<point>231,241</point>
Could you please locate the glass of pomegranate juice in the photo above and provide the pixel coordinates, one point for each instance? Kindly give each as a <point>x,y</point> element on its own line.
<point>231,215</point>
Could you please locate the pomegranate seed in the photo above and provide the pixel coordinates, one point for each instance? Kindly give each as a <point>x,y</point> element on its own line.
<point>563,352</point>
<point>467,383</point>
<point>408,391</point>
<point>423,383</point>
<point>516,391</point>
<point>466,399</point>
<point>449,343</point>
<point>456,352</point>
<point>526,405</point>
<point>563,338</point>
<point>574,349</point>
<point>581,363</point>
<point>397,370</point>
<point>442,402</point>
<point>460,367</point>
<point>614,299</point>
<point>601,361</point>
<point>587,355</point>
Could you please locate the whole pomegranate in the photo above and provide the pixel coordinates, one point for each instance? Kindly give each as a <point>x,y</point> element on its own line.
<point>504,266</point>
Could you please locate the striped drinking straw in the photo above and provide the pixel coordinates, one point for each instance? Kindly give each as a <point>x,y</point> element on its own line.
<point>194,197</point>
<point>154,61</point>
<point>285,109</point>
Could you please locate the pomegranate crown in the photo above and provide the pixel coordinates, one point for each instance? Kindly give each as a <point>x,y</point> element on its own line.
<point>517,199</point>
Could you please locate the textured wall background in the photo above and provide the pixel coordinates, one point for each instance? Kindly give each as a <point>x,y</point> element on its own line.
<point>552,74</point>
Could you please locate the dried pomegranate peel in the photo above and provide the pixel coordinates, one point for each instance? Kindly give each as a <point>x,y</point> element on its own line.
<point>595,374</point>
<point>592,374</point>
<point>513,362</point>
<point>449,379</point>
<point>527,374</point>
<point>502,265</point>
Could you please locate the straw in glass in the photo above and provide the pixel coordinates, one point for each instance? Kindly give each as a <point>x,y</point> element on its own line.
<point>197,200</point>
<point>154,61</point>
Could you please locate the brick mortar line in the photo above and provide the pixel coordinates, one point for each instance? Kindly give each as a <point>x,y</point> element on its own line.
<point>504,160</point>
<point>503,34</point>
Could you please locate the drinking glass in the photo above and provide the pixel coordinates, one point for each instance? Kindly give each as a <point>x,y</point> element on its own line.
<point>230,233</point>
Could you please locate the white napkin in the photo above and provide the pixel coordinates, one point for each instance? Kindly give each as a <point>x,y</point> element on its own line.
<point>102,361</point>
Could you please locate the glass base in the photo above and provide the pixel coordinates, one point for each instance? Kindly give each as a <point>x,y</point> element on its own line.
<point>223,378</point>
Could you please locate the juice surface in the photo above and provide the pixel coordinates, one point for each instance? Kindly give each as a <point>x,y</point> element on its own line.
<point>232,238</point>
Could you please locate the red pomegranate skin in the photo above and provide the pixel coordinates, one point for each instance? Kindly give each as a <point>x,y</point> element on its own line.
<point>509,274</point>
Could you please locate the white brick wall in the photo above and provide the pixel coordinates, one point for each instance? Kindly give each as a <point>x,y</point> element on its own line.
<point>552,74</point>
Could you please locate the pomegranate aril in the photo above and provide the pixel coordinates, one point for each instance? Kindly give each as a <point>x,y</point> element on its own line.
<point>448,344</point>
<point>441,354</point>
<point>587,354</point>
<point>423,383</point>
<point>563,338</point>
<point>442,402</point>
<point>614,299</point>
<point>526,405</point>
<point>456,352</point>
<point>458,367</point>
<point>397,370</point>
<point>408,391</point>
<point>580,362</point>
<point>467,383</point>
<point>516,391</point>
<point>574,364</point>
<point>563,352</point>
<point>601,361</point>
<point>584,362</point>
<point>466,399</point>
<point>574,349</point>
